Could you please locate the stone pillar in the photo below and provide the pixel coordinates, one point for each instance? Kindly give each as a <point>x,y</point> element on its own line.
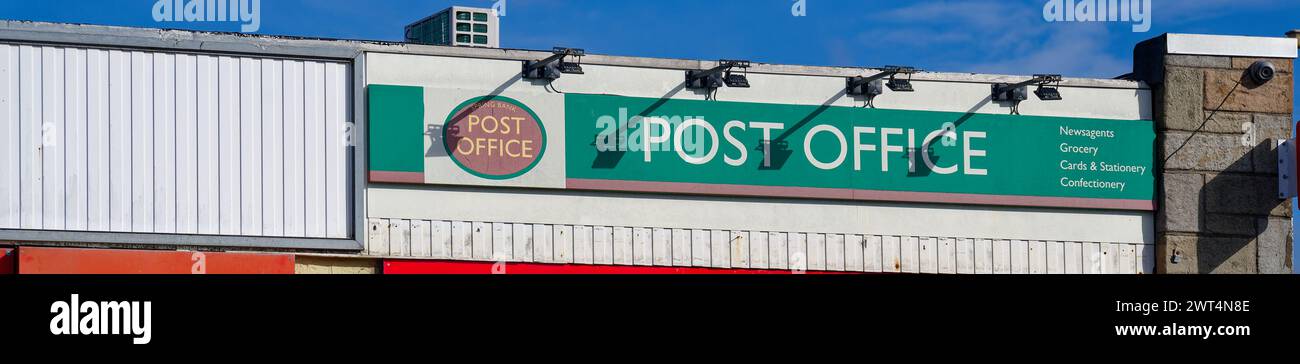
<point>1216,154</point>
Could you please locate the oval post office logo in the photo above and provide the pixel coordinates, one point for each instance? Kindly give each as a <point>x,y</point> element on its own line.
<point>494,137</point>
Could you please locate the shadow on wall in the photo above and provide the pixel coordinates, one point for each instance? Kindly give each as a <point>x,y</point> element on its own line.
<point>435,133</point>
<point>1234,210</point>
<point>610,159</point>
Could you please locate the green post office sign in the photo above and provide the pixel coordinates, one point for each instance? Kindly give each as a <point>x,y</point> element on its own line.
<point>618,143</point>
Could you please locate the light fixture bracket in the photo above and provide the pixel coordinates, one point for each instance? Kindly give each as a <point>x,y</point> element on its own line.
<point>718,76</point>
<point>874,85</point>
<point>1017,92</point>
<point>552,67</point>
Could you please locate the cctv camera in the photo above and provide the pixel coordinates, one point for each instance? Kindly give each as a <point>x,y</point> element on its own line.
<point>1261,72</point>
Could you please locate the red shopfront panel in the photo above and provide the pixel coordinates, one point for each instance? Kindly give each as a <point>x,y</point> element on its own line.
<point>8,261</point>
<point>39,260</point>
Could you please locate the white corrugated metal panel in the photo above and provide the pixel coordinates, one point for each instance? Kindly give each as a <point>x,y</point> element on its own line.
<point>156,142</point>
<point>402,238</point>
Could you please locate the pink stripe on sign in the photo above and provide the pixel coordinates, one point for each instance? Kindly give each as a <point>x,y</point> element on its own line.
<point>861,195</point>
<point>397,177</point>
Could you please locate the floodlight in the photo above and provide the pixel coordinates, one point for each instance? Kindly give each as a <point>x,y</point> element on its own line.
<point>874,85</point>
<point>900,85</point>
<point>1015,93</point>
<point>1048,93</point>
<point>735,80</point>
<point>719,76</point>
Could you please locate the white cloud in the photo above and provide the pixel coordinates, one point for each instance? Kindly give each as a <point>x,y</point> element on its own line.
<point>1007,37</point>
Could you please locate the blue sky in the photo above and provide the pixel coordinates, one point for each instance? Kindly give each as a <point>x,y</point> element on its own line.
<point>997,36</point>
<point>987,36</point>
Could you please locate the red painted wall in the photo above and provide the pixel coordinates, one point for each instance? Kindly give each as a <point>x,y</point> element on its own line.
<point>38,260</point>
<point>8,260</point>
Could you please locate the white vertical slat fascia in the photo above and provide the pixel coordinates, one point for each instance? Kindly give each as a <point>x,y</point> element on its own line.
<point>250,146</point>
<point>273,144</point>
<point>892,254</point>
<point>1019,257</point>
<point>1055,257</point>
<point>661,247</point>
<point>53,139</point>
<point>797,243</point>
<point>295,158</point>
<point>1073,258</point>
<point>76,198</point>
<point>1037,257</point>
<point>9,141</point>
<point>1002,257</point>
<point>602,245</point>
<point>1111,252</point>
<point>740,249</point>
<point>563,241</point>
<point>156,142</point>
<point>503,240</point>
<point>165,137</point>
<point>116,97</point>
<point>720,248</point>
<point>1093,261</point>
<point>462,240</point>
<point>583,240</point>
<point>315,134</point>
<point>441,240</point>
<point>929,255</point>
<point>947,256</point>
<point>523,243</point>
<point>911,253</point>
<point>965,256</point>
<point>399,238</point>
<point>208,140</point>
<point>421,238</point>
<point>778,250</point>
<point>1127,262</point>
<point>543,243</point>
<point>984,256</point>
<point>835,252</point>
<point>681,248</point>
<point>758,250</point>
<point>642,247</point>
<point>31,126</point>
<point>228,147</point>
<point>377,237</point>
<point>872,256</point>
<point>1146,259</point>
<point>187,152</point>
<point>142,151</point>
<point>700,248</point>
<point>482,240</point>
<point>816,251</point>
<point>854,253</point>
<point>622,246</point>
<point>337,173</point>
